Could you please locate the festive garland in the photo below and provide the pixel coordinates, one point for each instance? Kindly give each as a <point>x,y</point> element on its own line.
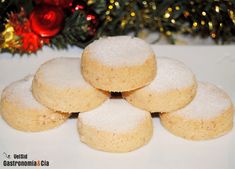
<point>27,25</point>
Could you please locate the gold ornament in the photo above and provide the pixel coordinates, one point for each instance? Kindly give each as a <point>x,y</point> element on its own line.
<point>8,33</point>
<point>231,15</point>
<point>168,33</point>
<point>210,24</point>
<point>172,20</point>
<point>117,4</point>
<point>10,40</point>
<point>203,22</point>
<point>203,13</point>
<point>186,14</point>
<point>217,9</point>
<point>110,7</point>
<point>132,14</point>
<point>123,23</point>
<point>213,35</point>
<point>89,2</point>
<point>177,8</point>
<point>195,24</point>
<point>167,15</point>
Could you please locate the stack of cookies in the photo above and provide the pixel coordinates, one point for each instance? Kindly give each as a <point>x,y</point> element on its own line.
<point>188,108</point>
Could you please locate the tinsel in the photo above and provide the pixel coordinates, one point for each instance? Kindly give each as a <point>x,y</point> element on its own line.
<point>88,20</point>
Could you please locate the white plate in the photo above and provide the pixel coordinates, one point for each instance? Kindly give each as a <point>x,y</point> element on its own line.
<point>62,148</point>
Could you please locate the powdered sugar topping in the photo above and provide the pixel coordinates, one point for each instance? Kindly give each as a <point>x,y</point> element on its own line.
<point>20,92</point>
<point>114,115</point>
<point>120,51</point>
<point>171,75</point>
<point>63,72</point>
<point>209,102</point>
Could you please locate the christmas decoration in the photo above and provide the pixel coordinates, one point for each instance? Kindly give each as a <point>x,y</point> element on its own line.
<point>46,20</point>
<point>60,3</point>
<point>77,5</point>
<point>60,23</point>
<point>79,29</point>
<point>9,39</point>
<point>18,36</point>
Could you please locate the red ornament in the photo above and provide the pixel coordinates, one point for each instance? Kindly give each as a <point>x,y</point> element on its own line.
<point>60,3</point>
<point>91,17</point>
<point>93,23</point>
<point>29,41</point>
<point>46,20</point>
<point>77,6</point>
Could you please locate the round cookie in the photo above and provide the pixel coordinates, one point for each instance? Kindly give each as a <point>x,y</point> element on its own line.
<point>22,112</point>
<point>119,63</point>
<point>174,87</point>
<point>115,126</point>
<point>209,115</point>
<point>59,85</point>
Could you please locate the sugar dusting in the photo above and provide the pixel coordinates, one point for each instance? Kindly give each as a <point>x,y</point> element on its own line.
<point>63,72</point>
<point>114,115</point>
<point>120,51</point>
<point>171,75</point>
<point>209,102</point>
<point>20,92</point>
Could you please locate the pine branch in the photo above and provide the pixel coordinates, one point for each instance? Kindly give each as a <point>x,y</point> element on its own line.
<point>76,32</point>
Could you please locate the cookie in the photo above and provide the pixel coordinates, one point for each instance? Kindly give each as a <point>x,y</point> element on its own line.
<point>115,126</point>
<point>22,112</point>
<point>208,116</point>
<point>59,85</point>
<point>119,63</point>
<point>174,87</point>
